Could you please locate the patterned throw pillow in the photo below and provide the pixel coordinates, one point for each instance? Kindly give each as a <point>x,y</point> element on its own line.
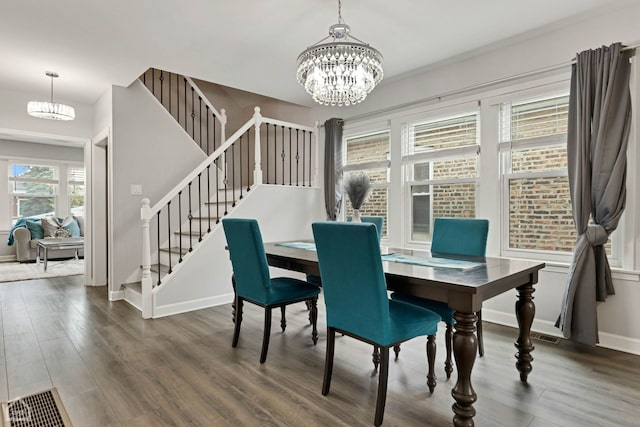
<point>71,225</point>
<point>53,228</point>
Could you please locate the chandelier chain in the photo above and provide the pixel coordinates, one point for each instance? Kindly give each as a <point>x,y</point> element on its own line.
<point>340,20</point>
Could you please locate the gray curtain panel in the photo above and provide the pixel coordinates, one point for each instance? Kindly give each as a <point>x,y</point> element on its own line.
<point>598,134</point>
<point>333,167</point>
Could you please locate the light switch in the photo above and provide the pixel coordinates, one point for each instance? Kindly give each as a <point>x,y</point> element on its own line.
<point>136,189</point>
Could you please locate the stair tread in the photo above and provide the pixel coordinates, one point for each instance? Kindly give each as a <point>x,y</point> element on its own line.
<point>134,286</point>
<point>175,250</point>
<point>220,202</point>
<point>193,233</point>
<point>164,269</point>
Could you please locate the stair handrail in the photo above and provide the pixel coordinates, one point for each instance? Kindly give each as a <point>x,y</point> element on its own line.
<point>221,115</point>
<point>147,212</point>
<point>256,120</point>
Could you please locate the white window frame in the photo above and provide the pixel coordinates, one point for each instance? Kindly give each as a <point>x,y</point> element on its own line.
<point>27,162</point>
<point>505,148</point>
<point>71,183</point>
<point>61,181</point>
<point>410,158</point>
<point>365,166</point>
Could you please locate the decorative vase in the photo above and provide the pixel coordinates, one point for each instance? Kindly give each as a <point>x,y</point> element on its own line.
<point>356,216</point>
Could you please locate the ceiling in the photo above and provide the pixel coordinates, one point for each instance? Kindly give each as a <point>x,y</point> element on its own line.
<point>246,44</point>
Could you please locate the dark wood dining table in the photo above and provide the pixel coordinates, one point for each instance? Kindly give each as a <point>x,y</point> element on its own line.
<point>463,290</point>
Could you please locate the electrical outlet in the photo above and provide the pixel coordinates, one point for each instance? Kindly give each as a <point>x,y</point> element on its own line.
<point>136,189</point>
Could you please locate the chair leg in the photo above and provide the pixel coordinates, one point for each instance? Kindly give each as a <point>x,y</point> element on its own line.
<point>314,319</point>
<point>396,350</point>
<point>328,361</point>
<point>267,333</point>
<point>238,320</point>
<point>382,385</point>
<point>479,333</point>
<point>431,358</point>
<point>448,341</point>
<point>375,357</point>
<point>283,320</point>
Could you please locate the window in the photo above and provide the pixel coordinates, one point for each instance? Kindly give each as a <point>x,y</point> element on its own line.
<point>533,146</point>
<point>32,190</point>
<point>370,154</point>
<point>76,190</point>
<point>440,163</point>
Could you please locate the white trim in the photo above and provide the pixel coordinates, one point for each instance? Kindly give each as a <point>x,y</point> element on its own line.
<point>607,340</point>
<point>116,295</point>
<point>7,258</point>
<point>287,124</point>
<point>381,164</point>
<point>536,142</point>
<point>443,153</point>
<point>620,343</point>
<point>183,307</point>
<point>445,181</point>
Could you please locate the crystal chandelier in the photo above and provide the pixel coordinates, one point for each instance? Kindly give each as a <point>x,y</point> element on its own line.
<point>50,110</point>
<point>340,72</point>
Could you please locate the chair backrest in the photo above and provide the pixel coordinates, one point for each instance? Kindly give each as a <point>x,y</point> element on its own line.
<point>248,258</point>
<point>460,236</point>
<point>377,220</point>
<point>355,290</point>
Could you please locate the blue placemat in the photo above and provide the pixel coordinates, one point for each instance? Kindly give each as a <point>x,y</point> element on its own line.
<point>433,262</point>
<point>308,246</point>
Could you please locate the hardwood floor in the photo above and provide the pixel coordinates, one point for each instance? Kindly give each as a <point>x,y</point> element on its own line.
<point>112,368</point>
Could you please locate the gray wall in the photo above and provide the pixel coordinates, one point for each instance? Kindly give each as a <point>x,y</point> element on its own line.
<point>148,148</point>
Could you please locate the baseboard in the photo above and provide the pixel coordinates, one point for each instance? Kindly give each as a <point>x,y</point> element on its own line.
<point>620,343</point>
<point>8,258</point>
<point>610,341</point>
<point>183,307</point>
<point>116,295</point>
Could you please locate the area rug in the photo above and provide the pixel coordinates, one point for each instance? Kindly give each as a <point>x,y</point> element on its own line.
<point>15,271</point>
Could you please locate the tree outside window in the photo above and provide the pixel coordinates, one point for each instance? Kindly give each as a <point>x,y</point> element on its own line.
<point>33,190</point>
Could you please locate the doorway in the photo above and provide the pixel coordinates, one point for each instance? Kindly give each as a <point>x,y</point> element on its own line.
<point>97,255</point>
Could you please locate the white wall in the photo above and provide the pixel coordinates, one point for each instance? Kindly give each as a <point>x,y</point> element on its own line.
<point>148,148</point>
<point>13,115</point>
<point>523,56</point>
<point>528,53</point>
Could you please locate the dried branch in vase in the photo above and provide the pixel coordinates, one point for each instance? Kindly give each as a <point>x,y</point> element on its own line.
<point>357,186</point>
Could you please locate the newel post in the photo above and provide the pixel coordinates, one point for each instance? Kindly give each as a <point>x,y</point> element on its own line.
<point>147,285</point>
<point>223,124</point>
<point>257,171</point>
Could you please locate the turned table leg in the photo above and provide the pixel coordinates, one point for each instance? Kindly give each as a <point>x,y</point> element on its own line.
<point>525,310</point>
<point>465,347</point>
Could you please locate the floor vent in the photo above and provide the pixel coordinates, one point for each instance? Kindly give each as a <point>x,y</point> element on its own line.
<point>546,338</point>
<point>42,409</point>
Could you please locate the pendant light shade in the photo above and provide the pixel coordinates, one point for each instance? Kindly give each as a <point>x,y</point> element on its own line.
<point>50,110</point>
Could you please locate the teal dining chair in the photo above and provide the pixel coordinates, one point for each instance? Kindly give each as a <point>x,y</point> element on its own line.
<point>356,300</point>
<point>253,283</point>
<point>458,237</point>
<point>373,219</point>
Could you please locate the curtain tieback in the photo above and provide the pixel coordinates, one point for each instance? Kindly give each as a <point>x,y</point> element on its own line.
<point>596,235</point>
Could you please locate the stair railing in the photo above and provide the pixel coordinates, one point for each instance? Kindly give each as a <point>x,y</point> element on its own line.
<point>184,100</point>
<point>196,204</point>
